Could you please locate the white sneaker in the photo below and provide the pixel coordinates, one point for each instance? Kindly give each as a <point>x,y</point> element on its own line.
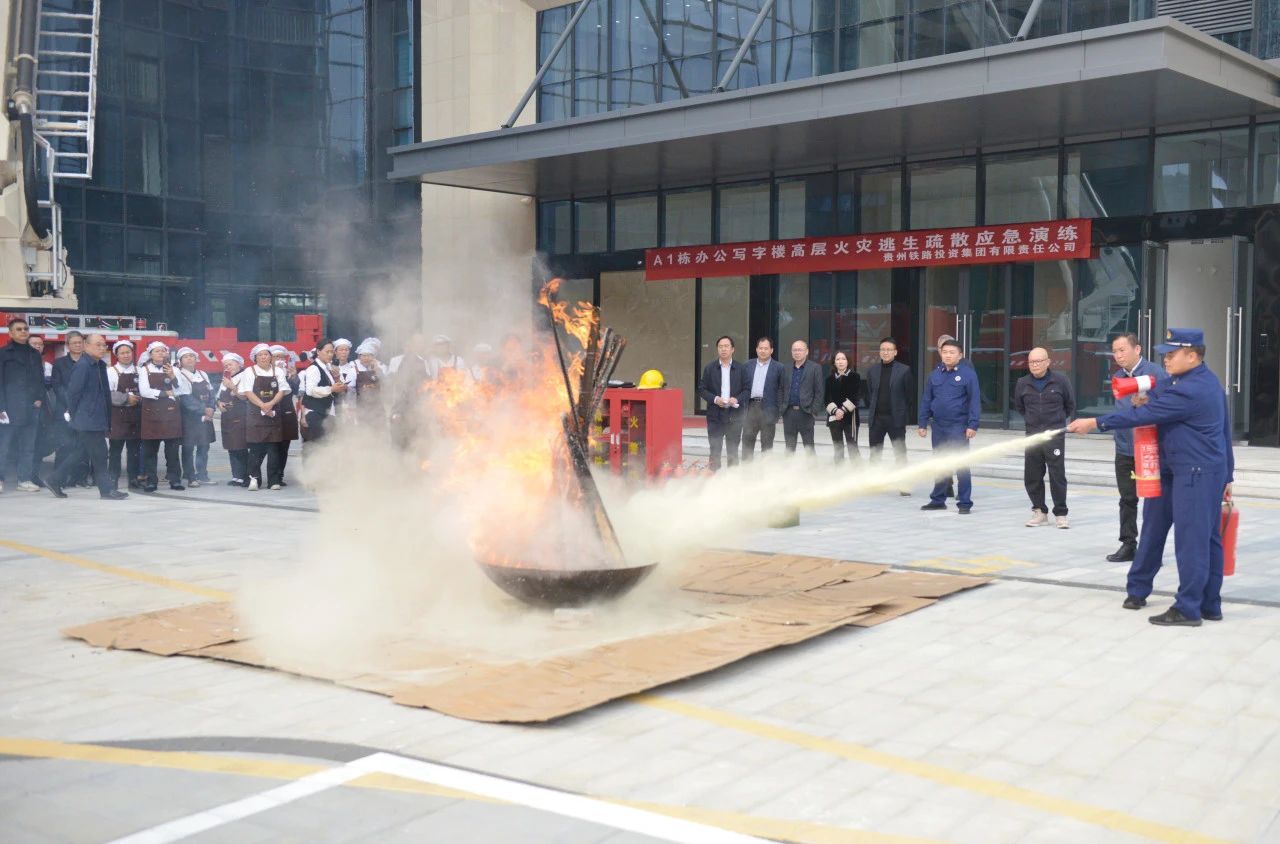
<point>1,486</point>
<point>193,484</point>
<point>1062,523</point>
<point>253,484</point>
<point>27,486</point>
<point>1038,520</point>
<point>276,486</point>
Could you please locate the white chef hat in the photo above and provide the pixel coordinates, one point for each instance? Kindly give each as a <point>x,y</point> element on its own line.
<point>115,347</point>
<point>187,350</point>
<point>441,338</point>
<point>373,342</point>
<point>367,348</point>
<point>342,341</point>
<point>279,350</point>
<point>483,349</point>
<point>257,350</point>
<point>157,344</point>
<point>226,356</point>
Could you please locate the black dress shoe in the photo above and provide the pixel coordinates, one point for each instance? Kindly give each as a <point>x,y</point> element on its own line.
<point>176,487</point>
<point>114,495</point>
<point>149,488</point>
<point>1132,603</point>
<point>1124,554</point>
<point>1207,616</point>
<point>55,489</point>
<point>964,511</point>
<point>1173,618</point>
<point>934,505</point>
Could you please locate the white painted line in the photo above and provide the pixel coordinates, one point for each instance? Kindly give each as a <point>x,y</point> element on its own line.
<point>176,830</point>
<point>535,797</point>
<point>549,800</point>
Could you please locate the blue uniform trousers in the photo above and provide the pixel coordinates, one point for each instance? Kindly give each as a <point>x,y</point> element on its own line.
<point>952,438</point>
<point>1190,502</point>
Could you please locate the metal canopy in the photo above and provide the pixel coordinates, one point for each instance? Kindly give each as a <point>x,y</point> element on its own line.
<point>1132,77</point>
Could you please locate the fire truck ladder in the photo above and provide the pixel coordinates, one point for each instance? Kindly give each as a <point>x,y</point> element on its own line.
<point>67,84</point>
<point>66,99</point>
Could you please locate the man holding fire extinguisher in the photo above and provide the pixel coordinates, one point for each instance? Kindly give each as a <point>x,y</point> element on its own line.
<point>1196,471</point>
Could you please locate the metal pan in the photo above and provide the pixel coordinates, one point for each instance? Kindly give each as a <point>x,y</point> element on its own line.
<point>565,588</point>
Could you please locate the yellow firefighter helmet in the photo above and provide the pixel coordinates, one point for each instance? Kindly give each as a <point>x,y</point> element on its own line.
<point>652,380</point>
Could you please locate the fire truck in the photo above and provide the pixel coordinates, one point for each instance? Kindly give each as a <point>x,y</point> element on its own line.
<point>53,327</point>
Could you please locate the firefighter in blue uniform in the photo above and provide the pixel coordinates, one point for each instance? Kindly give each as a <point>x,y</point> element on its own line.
<point>1196,471</point>
<point>953,401</point>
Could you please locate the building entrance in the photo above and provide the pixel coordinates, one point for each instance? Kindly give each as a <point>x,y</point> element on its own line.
<point>1205,284</point>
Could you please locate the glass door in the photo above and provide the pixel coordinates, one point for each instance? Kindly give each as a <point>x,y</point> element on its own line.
<point>971,304</point>
<point>1236,377</point>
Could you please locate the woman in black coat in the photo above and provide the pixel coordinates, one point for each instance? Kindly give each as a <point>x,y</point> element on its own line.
<point>843,388</point>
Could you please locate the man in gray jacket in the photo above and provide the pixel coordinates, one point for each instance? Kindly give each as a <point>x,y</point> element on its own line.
<point>802,388</point>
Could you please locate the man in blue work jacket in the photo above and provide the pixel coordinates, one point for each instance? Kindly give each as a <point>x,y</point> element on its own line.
<point>952,401</point>
<point>1196,470</point>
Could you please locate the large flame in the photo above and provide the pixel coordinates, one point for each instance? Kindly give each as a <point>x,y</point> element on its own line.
<point>504,433</point>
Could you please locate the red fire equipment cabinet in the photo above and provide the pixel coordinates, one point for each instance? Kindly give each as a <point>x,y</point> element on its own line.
<point>637,432</point>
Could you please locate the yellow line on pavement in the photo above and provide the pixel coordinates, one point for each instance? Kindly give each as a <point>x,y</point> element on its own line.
<point>996,789</point>
<point>782,830</point>
<point>1084,812</point>
<point>93,565</point>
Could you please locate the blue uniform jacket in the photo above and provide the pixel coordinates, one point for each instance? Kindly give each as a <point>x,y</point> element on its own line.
<point>952,398</point>
<point>1190,413</point>
<point>1124,438</point>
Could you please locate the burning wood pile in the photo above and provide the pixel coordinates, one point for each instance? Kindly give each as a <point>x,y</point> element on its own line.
<point>594,567</point>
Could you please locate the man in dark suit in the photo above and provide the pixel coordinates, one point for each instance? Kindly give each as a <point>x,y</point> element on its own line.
<point>88,402</point>
<point>763,376</point>
<point>64,436</point>
<point>21,400</point>
<point>889,397</point>
<point>725,391</point>
<point>802,389</point>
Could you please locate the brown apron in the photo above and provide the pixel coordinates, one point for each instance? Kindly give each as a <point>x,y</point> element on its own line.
<point>369,401</point>
<point>161,418</point>
<point>126,422</point>
<point>259,428</point>
<point>289,414</point>
<point>233,421</point>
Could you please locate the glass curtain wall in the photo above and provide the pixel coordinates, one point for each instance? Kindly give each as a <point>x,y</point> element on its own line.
<point>627,53</point>
<point>1202,170</point>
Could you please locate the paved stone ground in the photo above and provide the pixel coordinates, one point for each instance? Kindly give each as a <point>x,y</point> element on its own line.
<point>1034,709</point>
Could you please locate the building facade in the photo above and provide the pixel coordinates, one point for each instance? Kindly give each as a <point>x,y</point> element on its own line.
<point>668,124</point>
<point>240,161</point>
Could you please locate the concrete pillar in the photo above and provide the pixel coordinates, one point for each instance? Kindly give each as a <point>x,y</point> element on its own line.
<point>477,58</point>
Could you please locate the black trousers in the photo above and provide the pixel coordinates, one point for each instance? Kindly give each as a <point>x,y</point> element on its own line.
<point>757,422</point>
<point>844,435</point>
<point>86,448</point>
<point>1128,486</point>
<point>239,464</point>
<point>132,450</point>
<point>71,455</point>
<point>797,423</point>
<point>1051,456</point>
<point>274,453</point>
<point>151,460</point>
<point>724,434</point>
<point>879,429</point>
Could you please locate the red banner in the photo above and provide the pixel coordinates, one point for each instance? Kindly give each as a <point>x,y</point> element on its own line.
<point>1047,241</point>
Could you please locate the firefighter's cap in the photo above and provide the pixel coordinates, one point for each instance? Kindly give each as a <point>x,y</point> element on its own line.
<point>1180,338</point>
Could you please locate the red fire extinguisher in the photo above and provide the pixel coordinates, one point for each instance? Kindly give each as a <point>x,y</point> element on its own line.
<point>1230,529</point>
<point>1146,446</point>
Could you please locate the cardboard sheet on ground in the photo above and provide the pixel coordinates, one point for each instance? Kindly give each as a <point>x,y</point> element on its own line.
<point>736,604</point>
